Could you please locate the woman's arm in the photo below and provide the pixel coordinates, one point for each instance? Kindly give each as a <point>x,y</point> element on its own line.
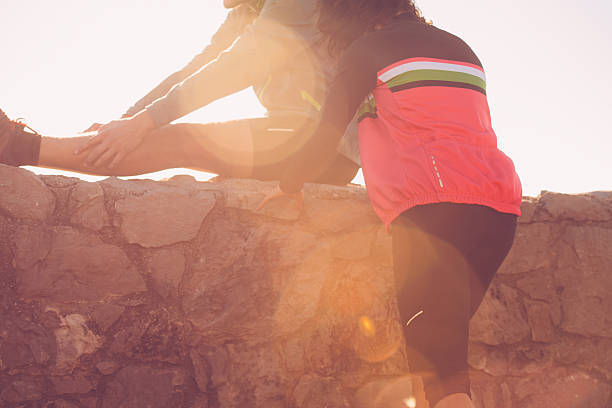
<point>265,46</point>
<point>233,26</point>
<point>354,80</point>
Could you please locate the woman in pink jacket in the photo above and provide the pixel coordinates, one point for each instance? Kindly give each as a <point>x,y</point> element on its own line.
<point>432,169</point>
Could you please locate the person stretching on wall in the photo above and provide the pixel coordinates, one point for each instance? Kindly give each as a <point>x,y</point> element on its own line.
<point>432,169</point>
<point>273,46</point>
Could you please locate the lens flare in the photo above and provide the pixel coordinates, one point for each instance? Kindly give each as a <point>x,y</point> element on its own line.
<point>377,339</point>
<point>410,402</point>
<point>366,325</point>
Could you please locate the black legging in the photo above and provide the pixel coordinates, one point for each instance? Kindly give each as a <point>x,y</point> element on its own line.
<point>445,256</point>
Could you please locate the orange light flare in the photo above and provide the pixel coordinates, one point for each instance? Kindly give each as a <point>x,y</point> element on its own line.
<point>376,339</point>
<point>366,325</point>
<point>410,402</point>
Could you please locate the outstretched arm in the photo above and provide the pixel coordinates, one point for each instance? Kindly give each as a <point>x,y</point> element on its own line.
<point>266,45</point>
<point>234,25</point>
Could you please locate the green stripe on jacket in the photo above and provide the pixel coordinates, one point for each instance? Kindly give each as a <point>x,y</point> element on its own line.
<point>436,75</point>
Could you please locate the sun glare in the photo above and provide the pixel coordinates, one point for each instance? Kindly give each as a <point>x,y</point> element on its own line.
<point>367,326</point>
<point>410,402</point>
<point>74,63</point>
<point>88,71</point>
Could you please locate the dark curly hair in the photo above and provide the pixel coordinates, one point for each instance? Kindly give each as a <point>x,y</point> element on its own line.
<point>343,21</point>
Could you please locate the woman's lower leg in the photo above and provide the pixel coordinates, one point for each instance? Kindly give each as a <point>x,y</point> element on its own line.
<point>203,147</point>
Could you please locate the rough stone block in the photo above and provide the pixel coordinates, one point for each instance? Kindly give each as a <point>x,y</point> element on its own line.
<point>248,195</point>
<point>106,314</point>
<point>32,244</point>
<point>21,390</point>
<point>73,339</point>
<point>564,389</point>
<point>273,309</point>
<point>528,210</point>
<point>577,207</point>
<point>583,273</point>
<point>499,320</point>
<point>80,268</point>
<point>166,267</point>
<point>538,316</point>
<point>530,243</point>
<point>87,205</point>
<point>353,246</point>
<point>300,298</point>
<point>339,215</point>
<point>142,386</point>
<point>24,195</point>
<point>71,384</point>
<point>151,220</point>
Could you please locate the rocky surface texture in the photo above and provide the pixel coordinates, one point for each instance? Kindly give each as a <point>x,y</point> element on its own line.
<point>129,294</point>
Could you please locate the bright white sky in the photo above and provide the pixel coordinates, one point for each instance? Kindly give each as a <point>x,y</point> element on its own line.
<point>68,63</point>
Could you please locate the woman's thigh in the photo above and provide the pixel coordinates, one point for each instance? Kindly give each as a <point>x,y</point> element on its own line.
<point>472,240</point>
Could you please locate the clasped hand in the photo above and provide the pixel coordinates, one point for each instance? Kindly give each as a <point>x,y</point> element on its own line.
<point>115,140</point>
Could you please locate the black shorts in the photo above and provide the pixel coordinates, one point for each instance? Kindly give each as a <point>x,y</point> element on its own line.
<point>444,258</point>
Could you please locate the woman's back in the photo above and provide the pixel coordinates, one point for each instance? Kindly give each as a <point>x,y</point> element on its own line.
<point>425,130</point>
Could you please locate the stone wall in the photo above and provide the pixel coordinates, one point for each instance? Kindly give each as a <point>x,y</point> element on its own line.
<point>179,294</point>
